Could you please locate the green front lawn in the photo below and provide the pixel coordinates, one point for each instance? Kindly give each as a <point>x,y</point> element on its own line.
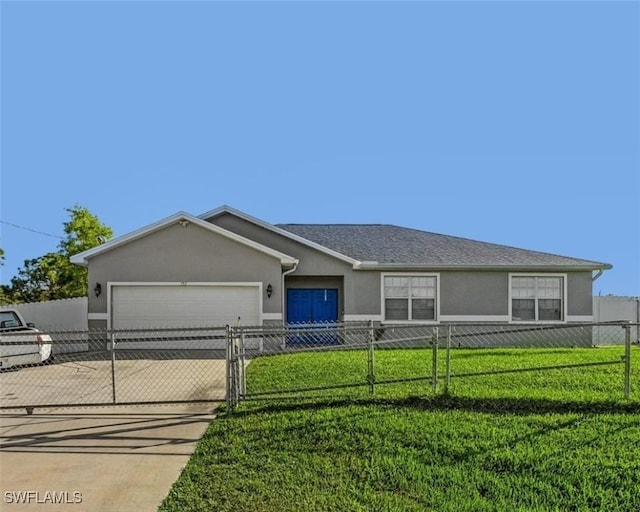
<point>554,440</point>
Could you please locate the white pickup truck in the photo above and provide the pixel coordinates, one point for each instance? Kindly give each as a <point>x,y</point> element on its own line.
<point>20,342</point>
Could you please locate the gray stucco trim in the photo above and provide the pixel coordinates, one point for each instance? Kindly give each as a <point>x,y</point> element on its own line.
<point>180,217</point>
<point>227,209</point>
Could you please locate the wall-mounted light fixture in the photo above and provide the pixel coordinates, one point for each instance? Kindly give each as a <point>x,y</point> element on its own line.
<point>183,222</point>
<point>269,290</point>
<point>97,289</point>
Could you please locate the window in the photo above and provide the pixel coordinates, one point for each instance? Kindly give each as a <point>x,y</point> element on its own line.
<point>537,298</point>
<point>9,319</point>
<point>410,298</point>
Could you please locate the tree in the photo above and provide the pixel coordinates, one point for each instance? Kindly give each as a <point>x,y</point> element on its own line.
<point>53,276</point>
<point>4,289</point>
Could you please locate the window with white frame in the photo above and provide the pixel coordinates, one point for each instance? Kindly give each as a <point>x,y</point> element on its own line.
<point>537,298</point>
<point>410,298</point>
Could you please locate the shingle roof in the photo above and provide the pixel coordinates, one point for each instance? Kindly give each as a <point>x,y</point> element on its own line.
<point>394,245</point>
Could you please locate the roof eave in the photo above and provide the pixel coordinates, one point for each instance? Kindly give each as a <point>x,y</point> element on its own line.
<point>510,267</point>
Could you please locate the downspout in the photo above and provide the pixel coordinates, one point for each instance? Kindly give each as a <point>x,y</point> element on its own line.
<point>599,317</point>
<point>282,287</point>
<point>593,279</point>
<point>597,275</point>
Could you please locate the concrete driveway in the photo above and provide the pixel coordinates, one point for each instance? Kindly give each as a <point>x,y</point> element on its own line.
<point>100,459</point>
<point>89,381</point>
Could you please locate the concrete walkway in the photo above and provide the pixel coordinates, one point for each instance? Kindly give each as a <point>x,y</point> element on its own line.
<point>101,459</point>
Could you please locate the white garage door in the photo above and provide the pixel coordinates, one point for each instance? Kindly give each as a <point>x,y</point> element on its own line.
<point>170,306</point>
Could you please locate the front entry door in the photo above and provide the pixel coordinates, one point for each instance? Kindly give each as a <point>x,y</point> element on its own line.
<point>313,309</point>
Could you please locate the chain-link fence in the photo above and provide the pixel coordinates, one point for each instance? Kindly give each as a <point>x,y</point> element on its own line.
<point>572,362</point>
<point>112,367</point>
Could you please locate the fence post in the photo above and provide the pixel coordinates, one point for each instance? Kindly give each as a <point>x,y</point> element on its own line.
<point>229,370</point>
<point>241,368</point>
<point>627,360</point>
<point>113,367</point>
<point>448,359</point>
<point>371,374</point>
<point>434,361</point>
<point>236,375</point>
<point>283,342</point>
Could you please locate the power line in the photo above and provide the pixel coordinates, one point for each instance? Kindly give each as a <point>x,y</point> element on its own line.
<point>32,230</point>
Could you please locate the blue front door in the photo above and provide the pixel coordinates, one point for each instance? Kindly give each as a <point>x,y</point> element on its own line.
<point>313,309</point>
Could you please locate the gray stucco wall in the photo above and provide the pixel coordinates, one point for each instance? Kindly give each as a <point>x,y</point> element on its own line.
<point>184,254</point>
<point>353,297</point>
<point>579,291</point>
<point>312,262</point>
<point>464,293</point>
<point>362,294</point>
<point>487,293</point>
<point>474,293</point>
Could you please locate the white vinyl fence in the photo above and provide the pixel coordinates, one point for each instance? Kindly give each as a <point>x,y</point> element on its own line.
<point>611,308</point>
<point>56,315</point>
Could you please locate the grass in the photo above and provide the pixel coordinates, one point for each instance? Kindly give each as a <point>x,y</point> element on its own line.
<point>548,440</point>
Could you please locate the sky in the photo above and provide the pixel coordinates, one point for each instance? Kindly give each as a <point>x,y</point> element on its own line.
<point>511,122</point>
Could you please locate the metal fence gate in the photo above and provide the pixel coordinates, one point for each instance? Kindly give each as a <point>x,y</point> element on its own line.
<point>92,368</point>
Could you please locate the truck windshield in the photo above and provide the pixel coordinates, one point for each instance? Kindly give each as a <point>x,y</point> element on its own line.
<point>9,319</point>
